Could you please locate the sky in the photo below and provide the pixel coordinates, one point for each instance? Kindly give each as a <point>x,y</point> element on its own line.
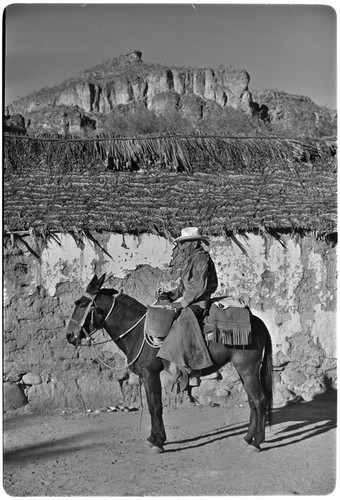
<point>290,47</point>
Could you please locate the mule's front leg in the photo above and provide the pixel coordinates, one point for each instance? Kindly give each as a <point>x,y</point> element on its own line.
<point>153,391</point>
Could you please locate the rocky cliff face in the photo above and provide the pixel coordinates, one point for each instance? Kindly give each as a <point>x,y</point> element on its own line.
<point>127,84</point>
<point>133,80</point>
<point>297,113</point>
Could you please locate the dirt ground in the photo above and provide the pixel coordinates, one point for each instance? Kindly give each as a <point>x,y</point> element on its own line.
<point>105,454</point>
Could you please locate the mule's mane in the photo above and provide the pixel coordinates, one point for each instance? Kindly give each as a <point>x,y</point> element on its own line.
<point>128,301</point>
<point>108,291</point>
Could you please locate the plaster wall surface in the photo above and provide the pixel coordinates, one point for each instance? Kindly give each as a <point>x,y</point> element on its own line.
<point>124,254</point>
<point>290,284</point>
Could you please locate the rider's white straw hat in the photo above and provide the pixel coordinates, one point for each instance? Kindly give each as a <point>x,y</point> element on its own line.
<point>191,233</point>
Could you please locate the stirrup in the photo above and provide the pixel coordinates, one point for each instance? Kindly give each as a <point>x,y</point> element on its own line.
<point>193,373</point>
<point>194,381</point>
<point>194,377</point>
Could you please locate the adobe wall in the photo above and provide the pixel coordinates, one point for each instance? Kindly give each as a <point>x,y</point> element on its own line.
<point>293,289</point>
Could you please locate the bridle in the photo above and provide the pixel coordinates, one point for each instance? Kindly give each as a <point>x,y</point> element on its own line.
<point>90,308</point>
<point>154,343</point>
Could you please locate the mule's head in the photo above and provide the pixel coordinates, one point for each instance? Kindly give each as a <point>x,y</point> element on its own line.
<point>77,328</point>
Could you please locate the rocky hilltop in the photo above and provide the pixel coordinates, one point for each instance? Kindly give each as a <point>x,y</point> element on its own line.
<point>88,103</point>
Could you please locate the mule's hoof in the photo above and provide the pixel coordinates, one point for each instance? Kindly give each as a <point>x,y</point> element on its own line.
<point>156,450</point>
<point>254,449</point>
<point>248,440</point>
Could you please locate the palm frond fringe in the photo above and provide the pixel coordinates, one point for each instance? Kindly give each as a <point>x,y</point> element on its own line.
<point>176,153</point>
<point>159,184</point>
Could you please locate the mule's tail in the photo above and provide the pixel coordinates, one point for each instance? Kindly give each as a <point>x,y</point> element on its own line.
<point>266,374</point>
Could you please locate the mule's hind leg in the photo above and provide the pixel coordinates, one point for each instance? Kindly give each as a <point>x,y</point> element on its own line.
<point>247,364</point>
<point>258,403</point>
<point>153,389</point>
<point>252,421</point>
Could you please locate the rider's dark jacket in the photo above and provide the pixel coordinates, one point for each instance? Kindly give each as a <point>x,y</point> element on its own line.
<point>198,280</point>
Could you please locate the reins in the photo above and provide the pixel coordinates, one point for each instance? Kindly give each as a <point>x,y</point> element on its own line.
<point>91,341</point>
<point>119,338</point>
<point>122,367</point>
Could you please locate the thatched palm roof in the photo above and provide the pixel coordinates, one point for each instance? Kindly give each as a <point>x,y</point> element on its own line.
<point>160,184</point>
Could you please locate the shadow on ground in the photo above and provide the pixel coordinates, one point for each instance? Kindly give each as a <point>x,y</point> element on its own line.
<point>297,421</point>
<point>45,450</point>
<point>304,419</point>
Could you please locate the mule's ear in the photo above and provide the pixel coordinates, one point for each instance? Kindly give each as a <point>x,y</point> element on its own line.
<point>92,284</point>
<point>100,282</point>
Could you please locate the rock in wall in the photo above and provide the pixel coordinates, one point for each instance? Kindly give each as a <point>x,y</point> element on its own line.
<point>290,285</point>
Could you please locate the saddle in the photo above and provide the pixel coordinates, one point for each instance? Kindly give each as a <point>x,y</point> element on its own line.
<point>181,344</point>
<point>227,321</point>
<point>181,341</point>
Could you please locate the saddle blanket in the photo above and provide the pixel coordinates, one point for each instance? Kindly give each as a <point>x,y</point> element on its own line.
<point>228,323</point>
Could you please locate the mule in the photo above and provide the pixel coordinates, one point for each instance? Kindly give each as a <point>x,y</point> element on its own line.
<point>122,317</point>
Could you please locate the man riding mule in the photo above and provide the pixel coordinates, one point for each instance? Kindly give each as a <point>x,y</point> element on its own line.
<point>124,320</point>
<point>200,318</point>
<point>185,345</point>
